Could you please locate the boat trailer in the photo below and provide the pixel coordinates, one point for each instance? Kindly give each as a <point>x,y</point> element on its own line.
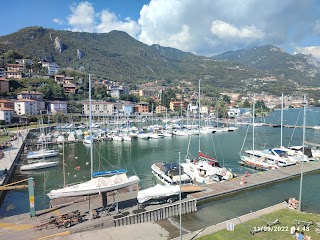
<point>64,220</point>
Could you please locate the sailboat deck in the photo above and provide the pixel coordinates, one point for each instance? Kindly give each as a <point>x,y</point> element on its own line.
<point>255,180</point>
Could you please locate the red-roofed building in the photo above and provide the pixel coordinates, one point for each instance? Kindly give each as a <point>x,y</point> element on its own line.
<point>4,103</point>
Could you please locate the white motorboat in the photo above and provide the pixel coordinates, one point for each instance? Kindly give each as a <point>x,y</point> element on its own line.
<point>38,165</point>
<point>158,194</point>
<point>168,173</point>
<point>276,156</point>
<point>259,163</point>
<point>202,171</point>
<point>95,186</point>
<point>42,153</point>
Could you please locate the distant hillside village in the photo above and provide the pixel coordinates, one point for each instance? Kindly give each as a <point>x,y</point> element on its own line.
<point>31,103</point>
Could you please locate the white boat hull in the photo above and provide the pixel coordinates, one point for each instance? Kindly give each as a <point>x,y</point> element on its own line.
<point>38,165</point>
<point>95,186</point>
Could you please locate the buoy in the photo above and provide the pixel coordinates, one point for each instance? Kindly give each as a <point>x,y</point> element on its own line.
<point>75,175</point>
<point>76,157</point>
<point>77,168</point>
<point>87,163</point>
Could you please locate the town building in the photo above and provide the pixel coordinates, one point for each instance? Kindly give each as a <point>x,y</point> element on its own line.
<point>58,107</point>
<point>141,107</point>
<point>30,95</point>
<point>161,109</point>
<point>6,114</point>
<point>4,103</point>
<point>99,108</point>
<point>28,107</point>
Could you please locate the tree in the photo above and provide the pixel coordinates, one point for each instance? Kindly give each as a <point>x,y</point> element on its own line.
<point>226,99</point>
<point>246,104</point>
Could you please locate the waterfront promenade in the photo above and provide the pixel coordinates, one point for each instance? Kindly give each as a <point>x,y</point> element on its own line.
<point>9,158</point>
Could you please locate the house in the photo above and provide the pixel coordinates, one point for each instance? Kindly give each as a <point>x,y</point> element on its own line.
<point>161,109</point>
<point>177,105</point>
<point>15,67</point>
<point>4,103</point>
<point>127,108</point>
<point>58,106</point>
<point>24,62</point>
<point>28,107</point>
<point>233,112</point>
<point>59,79</point>
<point>69,80</point>
<point>13,74</point>
<point>6,114</point>
<point>141,107</point>
<point>53,68</point>
<point>4,85</point>
<point>69,88</point>
<point>30,95</point>
<point>99,108</point>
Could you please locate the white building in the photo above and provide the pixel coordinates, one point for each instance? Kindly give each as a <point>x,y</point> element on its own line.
<point>99,108</point>
<point>233,112</point>
<point>53,68</point>
<point>58,106</point>
<point>6,114</point>
<point>28,107</point>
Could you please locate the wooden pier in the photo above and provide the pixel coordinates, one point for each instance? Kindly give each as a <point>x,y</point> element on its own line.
<point>255,180</point>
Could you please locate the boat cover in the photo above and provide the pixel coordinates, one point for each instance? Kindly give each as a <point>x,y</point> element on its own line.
<point>157,191</point>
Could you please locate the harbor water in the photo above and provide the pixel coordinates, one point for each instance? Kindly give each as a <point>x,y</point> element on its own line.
<point>138,155</point>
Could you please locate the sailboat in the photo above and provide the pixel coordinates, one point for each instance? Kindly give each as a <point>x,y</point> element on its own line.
<point>205,169</point>
<point>98,184</point>
<point>275,156</point>
<point>258,162</point>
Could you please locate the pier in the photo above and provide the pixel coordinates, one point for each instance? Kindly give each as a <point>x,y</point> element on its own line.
<point>255,180</point>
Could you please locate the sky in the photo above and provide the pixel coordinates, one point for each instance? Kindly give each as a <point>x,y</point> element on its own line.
<point>202,27</point>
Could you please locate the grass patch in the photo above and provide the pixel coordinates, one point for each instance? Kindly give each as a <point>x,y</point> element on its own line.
<point>276,232</point>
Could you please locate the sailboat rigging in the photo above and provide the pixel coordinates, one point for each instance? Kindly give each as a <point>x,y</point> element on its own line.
<point>98,184</point>
<point>204,169</point>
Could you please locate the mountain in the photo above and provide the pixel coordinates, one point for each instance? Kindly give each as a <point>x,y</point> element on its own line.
<point>119,57</point>
<point>301,69</point>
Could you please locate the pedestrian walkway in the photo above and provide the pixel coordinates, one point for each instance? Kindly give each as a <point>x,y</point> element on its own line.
<point>10,154</point>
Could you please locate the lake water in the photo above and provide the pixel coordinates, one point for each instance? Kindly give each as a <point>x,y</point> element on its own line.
<point>138,156</point>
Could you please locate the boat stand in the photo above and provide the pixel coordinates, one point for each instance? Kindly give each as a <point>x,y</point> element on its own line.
<point>114,206</point>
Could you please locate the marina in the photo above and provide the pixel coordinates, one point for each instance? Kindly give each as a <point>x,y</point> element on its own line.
<point>246,180</point>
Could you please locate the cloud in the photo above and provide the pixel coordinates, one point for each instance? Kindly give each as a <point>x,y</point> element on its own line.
<point>58,21</point>
<point>109,22</point>
<point>227,31</point>
<point>316,27</point>
<point>314,50</point>
<point>82,17</point>
<point>207,27</point>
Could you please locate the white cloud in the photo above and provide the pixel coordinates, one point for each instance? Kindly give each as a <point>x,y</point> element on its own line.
<point>314,50</point>
<point>207,27</point>
<point>317,27</point>
<point>228,31</point>
<point>109,22</point>
<point>58,21</point>
<point>82,17</point>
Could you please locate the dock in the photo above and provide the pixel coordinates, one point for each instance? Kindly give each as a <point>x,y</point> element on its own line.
<point>255,180</point>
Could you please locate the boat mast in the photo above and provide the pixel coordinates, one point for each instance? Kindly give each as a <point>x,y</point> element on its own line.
<point>90,123</point>
<point>199,114</point>
<point>281,121</point>
<point>253,112</point>
<point>303,139</point>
